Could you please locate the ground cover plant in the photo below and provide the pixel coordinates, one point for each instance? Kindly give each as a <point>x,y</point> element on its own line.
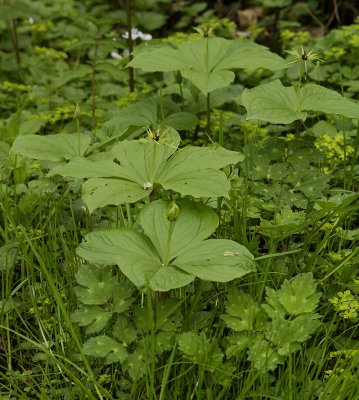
<point>178,203</point>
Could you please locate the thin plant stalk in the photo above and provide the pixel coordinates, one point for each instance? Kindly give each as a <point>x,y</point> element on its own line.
<point>94,88</point>
<point>131,73</point>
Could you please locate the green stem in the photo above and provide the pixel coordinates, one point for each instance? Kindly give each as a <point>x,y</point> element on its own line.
<point>153,168</point>
<point>168,244</point>
<point>131,74</point>
<point>152,353</point>
<point>14,41</point>
<point>208,127</point>
<point>301,74</point>
<point>94,88</point>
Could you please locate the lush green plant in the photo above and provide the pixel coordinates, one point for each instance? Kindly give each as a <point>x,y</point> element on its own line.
<point>136,260</point>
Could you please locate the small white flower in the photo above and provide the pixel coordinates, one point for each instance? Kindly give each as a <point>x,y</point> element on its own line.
<point>146,36</point>
<point>136,34</point>
<point>115,55</point>
<point>31,20</point>
<point>147,185</point>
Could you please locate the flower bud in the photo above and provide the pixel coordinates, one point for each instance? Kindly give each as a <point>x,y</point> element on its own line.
<point>173,211</point>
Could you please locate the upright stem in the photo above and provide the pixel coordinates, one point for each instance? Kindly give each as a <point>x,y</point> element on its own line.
<point>14,41</point>
<point>94,88</point>
<point>301,73</point>
<point>131,75</point>
<point>168,244</point>
<point>208,128</point>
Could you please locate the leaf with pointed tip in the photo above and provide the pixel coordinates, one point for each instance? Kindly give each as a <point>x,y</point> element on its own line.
<point>167,265</point>
<point>100,192</point>
<point>142,113</point>
<point>194,171</point>
<point>278,104</point>
<point>218,260</point>
<point>318,98</point>
<point>194,224</point>
<point>59,147</point>
<point>81,167</point>
<point>206,62</point>
<point>272,102</point>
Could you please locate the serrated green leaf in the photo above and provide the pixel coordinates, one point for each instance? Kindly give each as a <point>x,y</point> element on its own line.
<point>135,364</point>
<point>287,335</point>
<point>97,285</point>
<point>94,317</point>
<point>263,357</point>
<point>104,346</point>
<point>242,311</point>
<point>58,147</point>
<point>200,350</point>
<point>238,343</point>
<point>299,295</point>
<point>124,331</point>
<point>122,296</point>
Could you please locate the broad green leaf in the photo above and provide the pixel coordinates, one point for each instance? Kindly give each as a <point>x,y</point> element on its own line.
<point>80,167</point>
<point>145,157</point>
<point>195,223</point>
<point>199,158</point>
<point>147,162</point>
<point>205,183</point>
<point>206,61</point>
<point>318,98</point>
<point>106,246</point>
<point>172,254</point>
<point>104,346</point>
<point>194,171</point>
<point>170,277</point>
<point>217,260</point>
<point>99,192</point>
<point>80,72</point>
<point>272,102</point>
<point>142,113</point>
<point>58,147</point>
<point>181,121</point>
<point>208,82</point>
<point>278,104</point>
<point>94,317</point>
<point>31,127</point>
